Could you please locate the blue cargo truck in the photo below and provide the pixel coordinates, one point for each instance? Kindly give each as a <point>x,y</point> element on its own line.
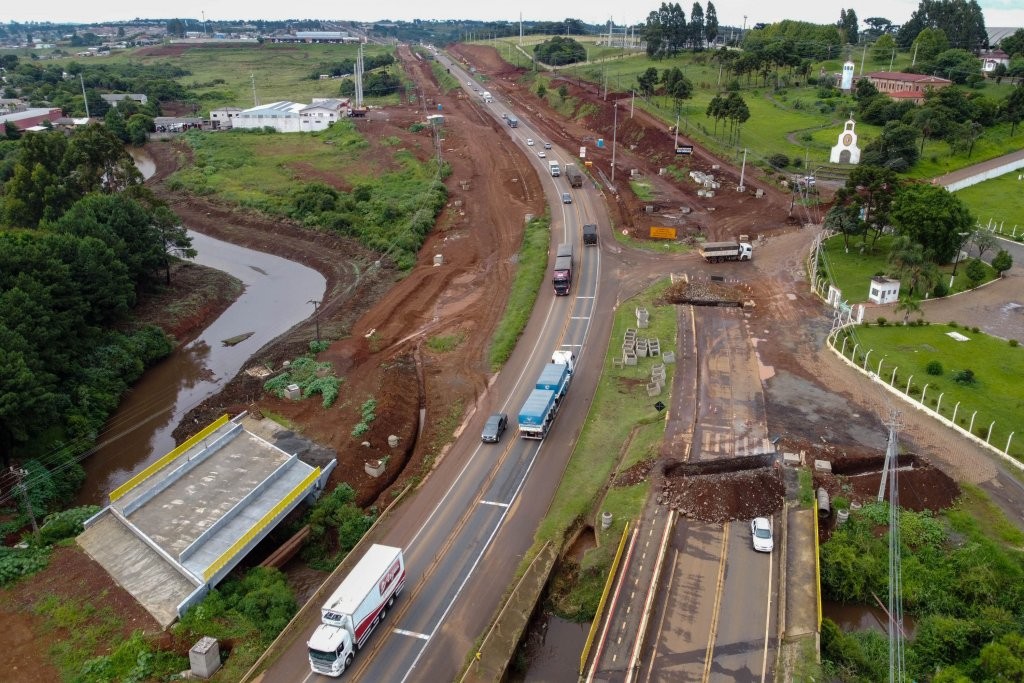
<point>541,406</point>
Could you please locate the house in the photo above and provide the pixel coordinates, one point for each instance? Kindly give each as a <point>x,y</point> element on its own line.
<point>293,117</point>
<point>884,290</point>
<point>28,118</point>
<point>899,85</point>
<point>224,117</point>
<point>993,58</point>
<point>112,100</point>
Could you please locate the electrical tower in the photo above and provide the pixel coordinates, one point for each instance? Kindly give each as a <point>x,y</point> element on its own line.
<point>891,471</point>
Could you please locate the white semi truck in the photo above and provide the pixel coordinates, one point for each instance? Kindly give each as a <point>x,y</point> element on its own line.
<point>713,252</point>
<point>353,611</point>
<point>554,168</point>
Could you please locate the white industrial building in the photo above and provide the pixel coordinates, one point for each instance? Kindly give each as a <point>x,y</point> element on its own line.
<point>293,117</point>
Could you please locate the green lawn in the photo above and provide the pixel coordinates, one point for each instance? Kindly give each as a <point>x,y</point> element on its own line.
<point>1000,200</point>
<point>997,395</point>
<point>851,272</point>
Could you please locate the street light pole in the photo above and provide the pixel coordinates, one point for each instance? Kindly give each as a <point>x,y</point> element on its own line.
<point>316,316</point>
<point>615,133</point>
<point>956,261</point>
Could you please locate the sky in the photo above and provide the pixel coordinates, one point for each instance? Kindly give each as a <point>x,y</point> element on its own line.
<point>730,12</point>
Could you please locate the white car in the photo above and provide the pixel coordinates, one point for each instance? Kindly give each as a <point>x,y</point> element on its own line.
<point>761,534</point>
<point>529,142</point>
<point>541,154</point>
<point>547,145</point>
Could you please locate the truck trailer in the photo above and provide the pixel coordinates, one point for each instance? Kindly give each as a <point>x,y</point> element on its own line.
<point>713,252</point>
<point>554,168</point>
<point>561,277</point>
<point>574,175</point>
<point>355,609</point>
<point>541,406</point>
<point>512,121</point>
<point>589,235</point>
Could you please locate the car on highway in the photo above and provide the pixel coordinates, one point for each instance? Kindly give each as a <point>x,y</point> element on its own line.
<point>541,154</point>
<point>547,145</point>
<point>469,82</point>
<point>529,142</point>
<point>761,534</point>
<point>494,427</point>
<point>566,198</point>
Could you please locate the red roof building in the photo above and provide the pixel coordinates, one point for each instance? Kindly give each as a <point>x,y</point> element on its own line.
<point>904,86</point>
<point>28,118</point>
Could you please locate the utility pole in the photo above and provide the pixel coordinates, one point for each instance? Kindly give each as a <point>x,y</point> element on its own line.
<point>19,475</point>
<point>632,102</point>
<point>675,144</point>
<point>615,132</point>
<point>743,168</point>
<point>892,58</point>
<point>252,78</point>
<point>84,98</point>
<point>316,315</point>
<point>914,61</point>
<point>863,56</point>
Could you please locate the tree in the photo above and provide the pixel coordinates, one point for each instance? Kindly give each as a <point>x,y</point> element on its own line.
<point>909,262</point>
<point>1002,262</point>
<point>1012,109</point>
<point>541,91</point>
<point>1003,660</point>
<point>647,81</point>
<point>711,24</point>
<point>115,123</point>
<point>868,194</point>
<point>933,217</point>
<point>907,305</point>
<point>975,272</point>
<point>929,43</point>
<point>959,66</point>
<point>884,47</point>
<point>1012,45</point>
<point>983,240</point>
<point>11,131</point>
<point>879,26</point>
<point>895,148</point>
<point>846,221</point>
<point>677,86</point>
<point>962,22</point>
<point>563,91</point>
<point>848,25</point>
<point>696,29</point>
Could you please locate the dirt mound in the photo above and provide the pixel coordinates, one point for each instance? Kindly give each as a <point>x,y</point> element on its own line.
<point>921,485</point>
<point>635,474</point>
<point>723,497</point>
<point>685,292</point>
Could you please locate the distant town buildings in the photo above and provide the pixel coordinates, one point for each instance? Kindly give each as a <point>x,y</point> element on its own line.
<point>292,117</point>
<point>314,37</point>
<point>904,86</point>
<point>29,119</point>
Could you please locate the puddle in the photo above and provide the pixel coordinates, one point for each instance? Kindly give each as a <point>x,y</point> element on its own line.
<point>553,652</point>
<point>861,618</point>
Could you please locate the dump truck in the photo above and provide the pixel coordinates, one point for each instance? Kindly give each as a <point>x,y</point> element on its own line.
<point>713,252</point>
<point>541,406</point>
<point>589,235</point>
<point>574,175</point>
<point>555,169</point>
<point>561,277</point>
<point>355,609</point>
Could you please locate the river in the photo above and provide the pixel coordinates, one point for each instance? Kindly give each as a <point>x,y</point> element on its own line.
<point>276,297</point>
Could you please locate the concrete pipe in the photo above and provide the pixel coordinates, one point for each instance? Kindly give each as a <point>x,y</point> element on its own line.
<point>824,508</point>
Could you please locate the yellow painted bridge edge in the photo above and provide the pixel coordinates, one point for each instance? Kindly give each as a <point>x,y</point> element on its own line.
<point>237,546</point>
<point>163,462</point>
<point>604,597</point>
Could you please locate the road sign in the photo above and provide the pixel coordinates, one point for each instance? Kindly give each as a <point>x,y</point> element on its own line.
<point>659,406</point>
<point>583,152</point>
<point>663,233</point>
<point>684,149</point>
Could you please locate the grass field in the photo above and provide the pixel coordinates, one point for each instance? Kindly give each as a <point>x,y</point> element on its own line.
<point>1000,200</point>
<point>852,272</point>
<point>997,394</point>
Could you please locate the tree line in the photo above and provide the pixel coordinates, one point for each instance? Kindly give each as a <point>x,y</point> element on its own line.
<point>667,32</point>
<point>80,239</point>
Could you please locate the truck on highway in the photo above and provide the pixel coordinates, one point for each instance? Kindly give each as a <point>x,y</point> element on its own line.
<point>713,252</point>
<point>541,406</point>
<point>589,234</point>
<point>355,608</point>
<point>512,121</point>
<point>574,175</point>
<point>555,169</point>
<point>561,278</point>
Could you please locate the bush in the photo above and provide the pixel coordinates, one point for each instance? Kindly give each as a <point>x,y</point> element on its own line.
<point>1014,343</point>
<point>16,562</point>
<point>65,524</point>
<point>975,330</point>
<point>940,290</point>
<point>778,160</point>
<point>953,324</point>
<point>934,368</point>
<point>965,377</point>
<point>882,321</point>
<point>975,272</point>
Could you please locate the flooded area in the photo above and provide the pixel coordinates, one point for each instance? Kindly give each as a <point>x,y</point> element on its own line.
<point>553,652</point>
<point>143,162</point>
<point>859,618</point>
<point>276,297</point>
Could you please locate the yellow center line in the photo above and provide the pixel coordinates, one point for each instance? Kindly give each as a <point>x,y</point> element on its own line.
<point>712,633</point>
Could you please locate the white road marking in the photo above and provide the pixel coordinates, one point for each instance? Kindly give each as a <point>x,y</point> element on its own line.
<point>403,632</point>
<point>767,615</point>
<point>494,502</point>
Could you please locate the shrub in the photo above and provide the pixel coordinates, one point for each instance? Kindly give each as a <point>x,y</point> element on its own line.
<point>975,330</point>
<point>940,290</point>
<point>16,563</point>
<point>953,324</point>
<point>882,321</point>
<point>965,377</point>
<point>778,160</point>
<point>975,272</point>
<point>65,524</point>
<point>934,368</point>
<point>1014,342</point>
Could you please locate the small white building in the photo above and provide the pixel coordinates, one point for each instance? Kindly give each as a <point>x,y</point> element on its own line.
<point>884,290</point>
<point>993,58</point>
<point>846,151</point>
<point>115,99</point>
<point>223,118</point>
<point>292,117</point>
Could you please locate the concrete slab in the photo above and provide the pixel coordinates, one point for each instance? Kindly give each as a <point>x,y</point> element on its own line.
<point>801,574</point>
<point>137,568</point>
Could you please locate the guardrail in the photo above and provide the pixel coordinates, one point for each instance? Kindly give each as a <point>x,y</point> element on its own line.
<point>585,655</point>
<point>272,513</point>
<point>165,460</point>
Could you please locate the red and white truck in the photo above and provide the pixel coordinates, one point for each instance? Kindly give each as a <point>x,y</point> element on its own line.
<point>355,608</point>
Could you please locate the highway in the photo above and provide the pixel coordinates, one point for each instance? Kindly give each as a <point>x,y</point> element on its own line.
<point>468,526</point>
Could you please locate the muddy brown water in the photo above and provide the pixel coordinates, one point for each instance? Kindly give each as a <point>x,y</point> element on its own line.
<point>276,297</point>
<point>860,617</point>
<point>554,654</point>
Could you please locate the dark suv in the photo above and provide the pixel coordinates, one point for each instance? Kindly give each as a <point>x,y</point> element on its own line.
<point>494,428</point>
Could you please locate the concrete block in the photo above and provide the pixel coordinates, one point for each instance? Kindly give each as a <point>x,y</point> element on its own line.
<point>654,345</point>
<point>641,348</point>
<point>629,358</point>
<point>791,459</point>
<point>617,363</point>
<point>293,392</point>
<point>669,357</point>
<point>823,466</point>
<point>204,657</point>
<point>653,389</point>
